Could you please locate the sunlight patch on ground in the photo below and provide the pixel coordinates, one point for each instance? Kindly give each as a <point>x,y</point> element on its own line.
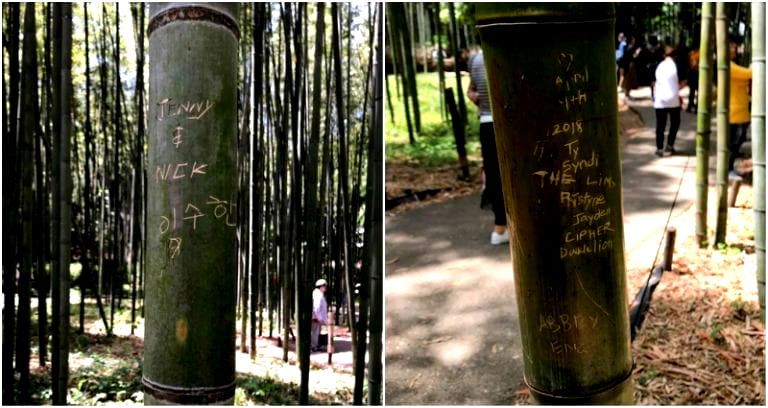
<point>456,351</point>
<point>456,273</point>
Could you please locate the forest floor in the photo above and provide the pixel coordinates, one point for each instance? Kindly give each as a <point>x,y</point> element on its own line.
<point>702,342</point>
<point>107,370</point>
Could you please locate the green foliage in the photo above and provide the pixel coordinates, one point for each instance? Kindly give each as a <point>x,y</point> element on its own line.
<point>254,390</point>
<point>648,376</point>
<point>729,249</point>
<point>103,371</point>
<point>107,379</point>
<point>257,390</point>
<point>741,309</point>
<point>715,333</point>
<point>435,144</point>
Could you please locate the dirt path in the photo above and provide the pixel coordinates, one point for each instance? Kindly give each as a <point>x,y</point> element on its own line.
<point>451,324</point>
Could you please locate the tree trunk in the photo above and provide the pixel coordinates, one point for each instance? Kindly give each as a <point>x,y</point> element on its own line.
<point>311,211</point>
<point>410,67</point>
<point>138,161</point>
<point>703,124</point>
<point>577,347</point>
<point>63,201</point>
<point>723,129</point>
<point>243,222</point>
<point>758,143</point>
<point>396,11</point>
<point>343,173</point>
<point>104,219</point>
<point>455,43</point>
<point>190,329</point>
<point>86,246</point>
<point>374,244</point>
<point>10,206</point>
<point>282,164</point>
<point>42,227</point>
<point>458,133</point>
<point>116,281</point>
<point>422,35</point>
<point>440,60</point>
<point>29,121</point>
<point>257,168</point>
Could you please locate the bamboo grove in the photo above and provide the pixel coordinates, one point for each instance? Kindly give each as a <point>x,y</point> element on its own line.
<point>416,31</point>
<point>75,176</point>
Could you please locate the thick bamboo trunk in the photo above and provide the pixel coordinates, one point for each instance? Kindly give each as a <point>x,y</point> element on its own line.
<point>42,228</point>
<point>116,274</point>
<point>569,272</point>
<point>257,168</point>
<point>63,222</point>
<point>376,191</point>
<point>758,143</point>
<point>191,253</point>
<point>10,212</point>
<point>29,121</point>
<point>138,185</point>
<point>703,123</point>
<point>723,129</point>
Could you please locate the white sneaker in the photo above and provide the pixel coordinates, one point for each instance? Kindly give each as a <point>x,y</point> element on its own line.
<point>498,239</point>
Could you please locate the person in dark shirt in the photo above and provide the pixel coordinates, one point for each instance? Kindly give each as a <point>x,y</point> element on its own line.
<point>478,94</point>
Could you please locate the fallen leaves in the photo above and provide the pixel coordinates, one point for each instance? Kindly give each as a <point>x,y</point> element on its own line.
<point>703,341</point>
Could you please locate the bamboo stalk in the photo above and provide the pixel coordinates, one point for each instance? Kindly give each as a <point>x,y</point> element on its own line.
<point>189,355</point>
<point>703,123</point>
<point>723,131</point>
<point>758,143</point>
<point>559,281</point>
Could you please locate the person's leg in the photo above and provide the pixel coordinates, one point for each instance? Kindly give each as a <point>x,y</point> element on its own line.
<point>693,85</point>
<point>493,177</point>
<point>738,137</point>
<point>661,124</point>
<point>315,335</point>
<point>674,125</point>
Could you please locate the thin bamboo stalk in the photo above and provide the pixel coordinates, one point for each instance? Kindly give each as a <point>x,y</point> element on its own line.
<point>723,131</point>
<point>703,124</point>
<point>758,143</point>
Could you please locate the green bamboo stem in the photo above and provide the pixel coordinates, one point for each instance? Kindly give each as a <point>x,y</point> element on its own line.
<point>704,123</point>
<point>189,355</point>
<point>758,143</point>
<point>723,130</point>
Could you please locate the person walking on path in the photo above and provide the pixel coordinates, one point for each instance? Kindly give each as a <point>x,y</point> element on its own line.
<point>478,94</point>
<point>627,67</point>
<point>666,101</point>
<point>739,115</point>
<point>319,312</point>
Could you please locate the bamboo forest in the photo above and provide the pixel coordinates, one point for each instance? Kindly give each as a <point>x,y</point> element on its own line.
<point>192,203</point>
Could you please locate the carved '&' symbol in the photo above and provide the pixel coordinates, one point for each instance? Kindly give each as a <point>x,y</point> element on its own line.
<point>177,136</point>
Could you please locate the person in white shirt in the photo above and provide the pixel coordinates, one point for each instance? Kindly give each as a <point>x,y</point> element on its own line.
<point>666,101</point>
<point>319,312</point>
